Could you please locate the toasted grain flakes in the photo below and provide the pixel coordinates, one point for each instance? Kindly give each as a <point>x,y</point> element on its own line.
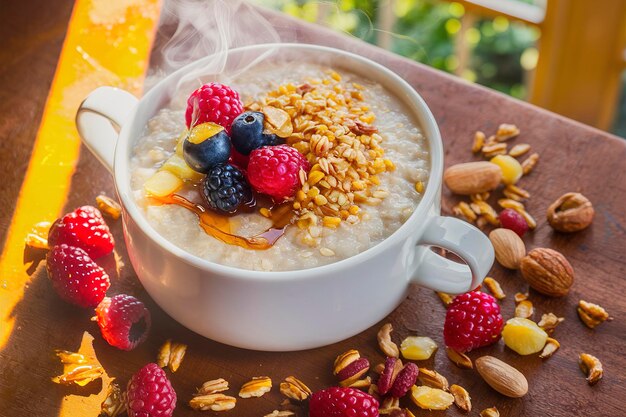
<point>295,389</point>
<point>549,322</point>
<point>524,309</point>
<point>479,141</point>
<point>460,359</point>
<point>461,398</point>
<point>591,314</point>
<point>591,366</point>
<point>551,346</point>
<point>494,288</point>
<point>213,402</point>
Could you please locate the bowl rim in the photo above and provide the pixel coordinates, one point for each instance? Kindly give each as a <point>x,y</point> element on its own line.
<point>418,108</point>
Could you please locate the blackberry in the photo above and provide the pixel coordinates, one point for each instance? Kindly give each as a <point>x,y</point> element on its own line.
<point>225,188</point>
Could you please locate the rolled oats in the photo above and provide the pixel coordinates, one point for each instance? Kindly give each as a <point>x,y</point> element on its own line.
<point>256,387</point>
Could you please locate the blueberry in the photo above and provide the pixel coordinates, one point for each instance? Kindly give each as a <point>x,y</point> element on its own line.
<point>247,133</point>
<point>225,189</point>
<point>210,152</point>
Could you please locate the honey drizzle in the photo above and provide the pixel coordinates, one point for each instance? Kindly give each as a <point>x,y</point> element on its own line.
<point>218,226</point>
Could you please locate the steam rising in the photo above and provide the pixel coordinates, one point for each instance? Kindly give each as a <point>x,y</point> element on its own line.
<point>201,28</point>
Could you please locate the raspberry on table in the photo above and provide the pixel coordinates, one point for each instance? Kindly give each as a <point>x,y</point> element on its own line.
<point>342,402</point>
<point>225,189</point>
<point>150,394</point>
<point>511,219</point>
<point>83,228</point>
<point>75,276</point>
<point>274,170</point>
<point>124,321</point>
<point>213,102</point>
<point>473,320</point>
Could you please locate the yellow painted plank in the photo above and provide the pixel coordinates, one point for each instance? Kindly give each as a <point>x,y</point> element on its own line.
<point>107,43</point>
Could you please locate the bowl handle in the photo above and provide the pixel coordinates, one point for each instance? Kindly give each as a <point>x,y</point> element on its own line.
<point>442,274</point>
<point>96,117</point>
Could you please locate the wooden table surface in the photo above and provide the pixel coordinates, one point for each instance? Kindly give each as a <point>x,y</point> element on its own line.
<point>574,157</point>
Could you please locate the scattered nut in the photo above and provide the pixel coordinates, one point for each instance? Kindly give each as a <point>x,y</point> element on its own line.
<point>461,398</point>
<point>519,297</point>
<point>460,359</point>
<point>213,402</point>
<point>494,288</point>
<point>445,298</point>
<point>295,389</point>
<point>38,236</point>
<point>361,383</point>
<point>490,412</point>
<point>591,314</point>
<point>115,402</point>
<point>570,213</point>
<point>77,368</point>
<point>547,271</point>
<point>502,377</point>
<point>591,366</point>
<point>432,379</point>
<point>256,387</point>
<point>429,398</point>
<point>283,413</point>
<point>508,246</point>
<point>506,131</point>
<point>472,177</point>
<point>529,164</point>
<point>345,359</point>
<point>552,345</point>
<point>389,403</point>
<point>213,386</point>
<point>519,149</point>
<point>109,206</point>
<point>549,322</point>
<point>171,355</point>
<point>524,309</point>
<point>388,347</point>
<point>479,141</point>
<point>515,193</point>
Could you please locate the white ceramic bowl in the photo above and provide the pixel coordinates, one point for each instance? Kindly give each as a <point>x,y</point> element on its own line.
<point>289,310</point>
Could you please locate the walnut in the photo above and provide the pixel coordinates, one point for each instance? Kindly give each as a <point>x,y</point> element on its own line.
<point>570,213</point>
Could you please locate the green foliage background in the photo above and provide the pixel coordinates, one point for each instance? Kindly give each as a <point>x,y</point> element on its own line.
<point>425,30</point>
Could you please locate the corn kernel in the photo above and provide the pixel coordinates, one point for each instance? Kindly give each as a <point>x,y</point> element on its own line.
<point>375,180</point>
<point>314,191</point>
<point>358,185</point>
<point>331,221</point>
<point>264,212</point>
<point>320,200</point>
<point>344,214</point>
<point>353,209</point>
<point>296,206</point>
<point>418,347</point>
<point>315,177</point>
<point>335,76</point>
<point>419,187</point>
<point>524,336</point>
<point>390,165</point>
<point>511,169</point>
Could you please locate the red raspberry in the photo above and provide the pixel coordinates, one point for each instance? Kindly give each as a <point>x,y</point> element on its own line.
<point>273,170</point>
<point>83,228</point>
<point>342,402</point>
<point>473,320</point>
<point>213,102</point>
<point>75,277</point>
<point>150,393</point>
<point>511,219</point>
<point>124,321</point>
<point>405,380</point>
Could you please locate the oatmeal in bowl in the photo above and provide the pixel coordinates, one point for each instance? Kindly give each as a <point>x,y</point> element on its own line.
<point>364,165</point>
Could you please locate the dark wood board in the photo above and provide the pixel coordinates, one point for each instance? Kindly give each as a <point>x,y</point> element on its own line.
<point>574,157</point>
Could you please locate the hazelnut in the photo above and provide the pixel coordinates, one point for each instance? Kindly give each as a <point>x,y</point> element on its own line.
<point>570,213</point>
<point>547,271</point>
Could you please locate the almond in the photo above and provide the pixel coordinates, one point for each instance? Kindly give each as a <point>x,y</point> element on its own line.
<point>547,271</point>
<point>508,246</point>
<point>502,377</point>
<point>472,177</point>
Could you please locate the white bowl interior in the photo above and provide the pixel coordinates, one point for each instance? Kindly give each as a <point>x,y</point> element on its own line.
<point>161,94</point>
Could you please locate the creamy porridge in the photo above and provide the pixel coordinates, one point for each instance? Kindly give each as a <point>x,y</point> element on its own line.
<point>326,228</point>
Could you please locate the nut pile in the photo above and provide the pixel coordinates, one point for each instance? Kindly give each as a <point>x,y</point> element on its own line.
<point>328,122</point>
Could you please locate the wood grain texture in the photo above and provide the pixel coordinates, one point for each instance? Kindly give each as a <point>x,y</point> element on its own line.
<point>573,158</point>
